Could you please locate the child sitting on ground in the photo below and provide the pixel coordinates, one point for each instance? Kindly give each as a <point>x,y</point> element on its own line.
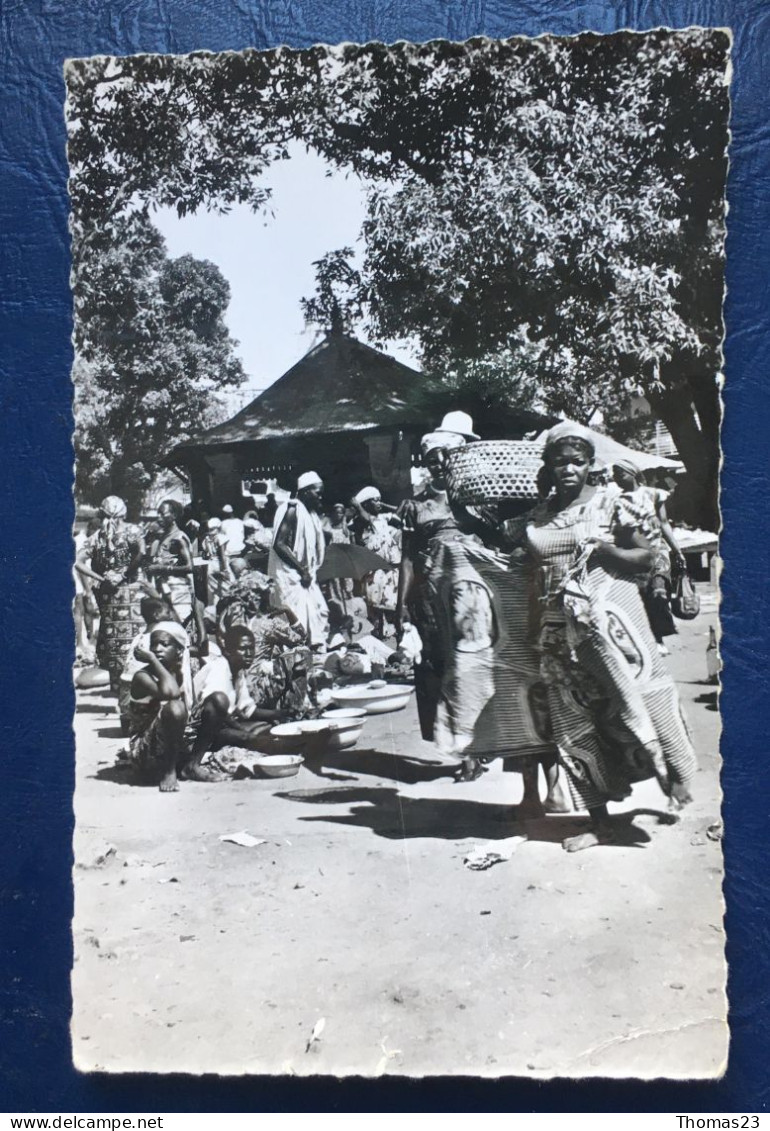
<point>153,610</point>
<point>158,706</point>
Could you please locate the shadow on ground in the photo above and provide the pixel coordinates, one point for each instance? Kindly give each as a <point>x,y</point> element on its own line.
<point>391,815</point>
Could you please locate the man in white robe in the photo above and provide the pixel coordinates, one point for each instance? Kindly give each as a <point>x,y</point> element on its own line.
<point>296,555</point>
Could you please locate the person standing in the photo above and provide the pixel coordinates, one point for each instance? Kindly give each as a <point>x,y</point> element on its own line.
<point>379,532</point>
<point>171,564</point>
<point>213,550</point>
<point>613,706</point>
<point>234,531</point>
<point>475,671</point>
<point>296,556</point>
<point>338,590</point>
<point>649,503</point>
<point>112,558</point>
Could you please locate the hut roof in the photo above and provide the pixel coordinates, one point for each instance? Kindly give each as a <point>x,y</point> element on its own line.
<point>340,385</point>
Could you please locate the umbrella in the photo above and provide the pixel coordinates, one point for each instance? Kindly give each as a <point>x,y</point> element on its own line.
<point>343,559</point>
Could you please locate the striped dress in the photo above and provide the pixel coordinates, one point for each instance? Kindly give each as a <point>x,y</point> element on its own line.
<point>613,705</point>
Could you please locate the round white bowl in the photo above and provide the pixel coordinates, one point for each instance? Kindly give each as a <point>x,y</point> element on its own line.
<point>375,700</point>
<point>280,765</point>
<point>286,738</point>
<point>346,724</point>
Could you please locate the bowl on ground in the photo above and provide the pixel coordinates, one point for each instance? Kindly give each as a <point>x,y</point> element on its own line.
<point>286,738</point>
<point>375,700</point>
<point>279,765</point>
<point>346,726</point>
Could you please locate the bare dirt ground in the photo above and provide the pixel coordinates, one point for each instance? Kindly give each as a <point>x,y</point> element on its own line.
<point>197,955</point>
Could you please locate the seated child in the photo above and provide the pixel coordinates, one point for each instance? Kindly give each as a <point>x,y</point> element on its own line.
<point>153,610</point>
<point>225,713</point>
<point>158,706</point>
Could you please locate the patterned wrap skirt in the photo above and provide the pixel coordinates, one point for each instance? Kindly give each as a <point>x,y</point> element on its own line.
<point>613,704</point>
<point>479,689</point>
<point>120,621</point>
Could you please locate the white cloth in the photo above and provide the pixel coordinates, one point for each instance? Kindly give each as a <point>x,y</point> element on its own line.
<point>215,675</point>
<point>235,533</point>
<point>367,494</point>
<point>307,603</point>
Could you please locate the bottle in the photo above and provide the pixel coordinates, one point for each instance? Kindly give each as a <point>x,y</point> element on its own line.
<point>713,663</point>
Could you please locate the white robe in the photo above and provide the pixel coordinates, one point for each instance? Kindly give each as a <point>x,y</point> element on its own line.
<point>307,603</point>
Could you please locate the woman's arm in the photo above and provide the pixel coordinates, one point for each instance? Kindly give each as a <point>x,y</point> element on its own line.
<point>224,565</point>
<point>668,533</point>
<point>636,556</point>
<point>84,569</point>
<point>157,683</point>
<point>405,582</point>
<point>285,535</point>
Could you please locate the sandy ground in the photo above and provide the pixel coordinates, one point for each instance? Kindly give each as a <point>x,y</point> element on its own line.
<point>197,955</point>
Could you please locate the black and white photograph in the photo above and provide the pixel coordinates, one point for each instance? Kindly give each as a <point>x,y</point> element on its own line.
<point>397,387</point>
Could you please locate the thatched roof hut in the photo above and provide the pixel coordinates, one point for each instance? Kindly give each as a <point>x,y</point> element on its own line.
<point>346,410</point>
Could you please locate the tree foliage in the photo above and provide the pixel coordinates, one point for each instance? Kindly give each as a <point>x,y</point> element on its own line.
<point>547,208</point>
<point>151,350</point>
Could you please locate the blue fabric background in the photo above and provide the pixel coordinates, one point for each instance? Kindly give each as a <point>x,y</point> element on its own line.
<point>35,354</point>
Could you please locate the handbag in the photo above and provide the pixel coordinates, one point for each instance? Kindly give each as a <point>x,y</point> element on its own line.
<point>685,602</point>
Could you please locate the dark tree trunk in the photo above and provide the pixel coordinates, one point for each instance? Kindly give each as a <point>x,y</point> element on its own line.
<point>691,412</point>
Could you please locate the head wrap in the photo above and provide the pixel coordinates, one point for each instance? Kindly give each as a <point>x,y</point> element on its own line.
<point>569,430</point>
<point>173,629</point>
<point>443,440</point>
<point>214,524</point>
<point>629,466</point>
<point>309,479</point>
<point>227,509</point>
<point>367,494</point>
<point>113,507</point>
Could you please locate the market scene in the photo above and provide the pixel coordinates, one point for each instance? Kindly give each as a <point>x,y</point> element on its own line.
<point>381,661</point>
<point>396,563</point>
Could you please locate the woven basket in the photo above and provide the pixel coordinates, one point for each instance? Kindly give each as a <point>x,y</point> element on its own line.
<point>493,470</point>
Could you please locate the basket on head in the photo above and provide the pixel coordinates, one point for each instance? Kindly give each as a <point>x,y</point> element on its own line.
<point>493,470</point>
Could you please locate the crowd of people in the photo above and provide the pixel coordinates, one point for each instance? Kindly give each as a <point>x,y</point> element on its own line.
<point>538,637</point>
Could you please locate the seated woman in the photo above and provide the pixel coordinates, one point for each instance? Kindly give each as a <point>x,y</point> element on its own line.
<point>158,706</point>
<point>225,713</point>
<point>278,676</point>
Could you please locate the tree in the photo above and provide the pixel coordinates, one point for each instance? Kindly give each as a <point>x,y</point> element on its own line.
<point>151,350</point>
<point>554,202</point>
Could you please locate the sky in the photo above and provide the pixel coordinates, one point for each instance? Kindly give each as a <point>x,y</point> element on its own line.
<point>269,262</point>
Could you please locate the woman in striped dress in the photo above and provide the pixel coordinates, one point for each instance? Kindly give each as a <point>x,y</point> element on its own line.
<point>614,709</point>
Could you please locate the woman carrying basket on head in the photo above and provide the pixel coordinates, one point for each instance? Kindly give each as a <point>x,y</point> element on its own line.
<point>469,607</point>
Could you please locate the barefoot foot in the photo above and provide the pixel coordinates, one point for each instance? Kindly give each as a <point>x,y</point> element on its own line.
<point>169,783</point>
<point>599,835</point>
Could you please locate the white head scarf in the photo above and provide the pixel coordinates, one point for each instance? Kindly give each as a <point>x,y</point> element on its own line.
<point>367,494</point>
<point>443,440</point>
<point>309,479</point>
<point>568,430</point>
<point>173,629</point>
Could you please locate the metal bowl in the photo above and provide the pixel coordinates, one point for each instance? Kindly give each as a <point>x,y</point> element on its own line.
<point>375,700</point>
<point>346,726</point>
<point>280,765</point>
